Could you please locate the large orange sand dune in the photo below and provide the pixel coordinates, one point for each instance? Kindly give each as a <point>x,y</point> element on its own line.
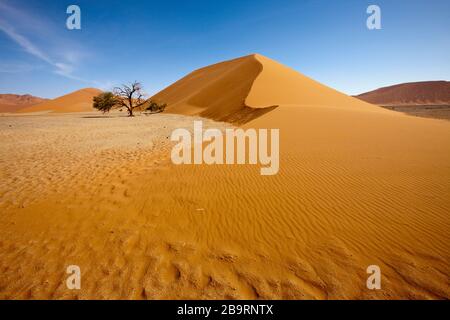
<point>240,89</point>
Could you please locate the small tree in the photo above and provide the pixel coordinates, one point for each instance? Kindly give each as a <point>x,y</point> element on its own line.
<point>128,97</point>
<point>104,102</point>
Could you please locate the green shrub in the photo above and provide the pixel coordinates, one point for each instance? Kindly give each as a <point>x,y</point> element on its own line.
<point>104,102</point>
<point>156,107</point>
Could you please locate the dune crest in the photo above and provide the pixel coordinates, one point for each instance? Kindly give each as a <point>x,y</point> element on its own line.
<point>78,101</point>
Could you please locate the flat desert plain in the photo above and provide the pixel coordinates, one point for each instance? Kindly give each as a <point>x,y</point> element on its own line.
<point>358,185</point>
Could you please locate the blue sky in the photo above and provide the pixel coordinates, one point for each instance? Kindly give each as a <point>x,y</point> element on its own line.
<point>157,42</point>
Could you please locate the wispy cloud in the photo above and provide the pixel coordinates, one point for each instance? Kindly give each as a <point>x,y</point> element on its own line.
<point>65,68</point>
<point>24,42</point>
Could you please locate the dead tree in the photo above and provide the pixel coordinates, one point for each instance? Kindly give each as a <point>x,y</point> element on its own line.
<point>130,97</point>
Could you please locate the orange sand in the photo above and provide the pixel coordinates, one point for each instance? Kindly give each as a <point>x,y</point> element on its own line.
<point>358,185</point>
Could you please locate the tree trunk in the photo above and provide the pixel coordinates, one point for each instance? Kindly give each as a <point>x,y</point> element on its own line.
<point>130,103</point>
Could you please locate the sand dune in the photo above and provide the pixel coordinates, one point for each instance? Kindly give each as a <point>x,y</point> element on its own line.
<point>358,185</point>
<point>78,101</point>
<point>239,90</point>
<point>410,94</point>
<point>15,102</point>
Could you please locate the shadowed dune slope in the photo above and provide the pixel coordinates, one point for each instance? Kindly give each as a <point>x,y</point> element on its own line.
<point>217,91</point>
<point>78,101</point>
<point>410,94</point>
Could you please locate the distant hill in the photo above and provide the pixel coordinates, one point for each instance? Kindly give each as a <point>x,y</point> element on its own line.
<point>15,102</point>
<point>431,93</point>
<point>77,101</point>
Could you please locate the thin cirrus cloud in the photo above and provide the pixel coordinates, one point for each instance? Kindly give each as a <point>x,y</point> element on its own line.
<point>64,68</point>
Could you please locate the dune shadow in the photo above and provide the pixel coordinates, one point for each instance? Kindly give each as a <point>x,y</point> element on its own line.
<point>246,114</point>
<point>104,117</point>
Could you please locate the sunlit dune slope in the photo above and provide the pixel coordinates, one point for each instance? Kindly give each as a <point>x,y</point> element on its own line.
<point>280,85</point>
<point>78,101</point>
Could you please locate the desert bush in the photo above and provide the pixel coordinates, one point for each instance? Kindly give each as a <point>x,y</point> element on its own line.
<point>104,102</point>
<point>156,107</point>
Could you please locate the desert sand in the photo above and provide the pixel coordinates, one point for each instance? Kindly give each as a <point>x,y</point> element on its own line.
<point>358,185</point>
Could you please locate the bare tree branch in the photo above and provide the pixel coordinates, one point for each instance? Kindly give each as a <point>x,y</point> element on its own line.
<point>130,96</point>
